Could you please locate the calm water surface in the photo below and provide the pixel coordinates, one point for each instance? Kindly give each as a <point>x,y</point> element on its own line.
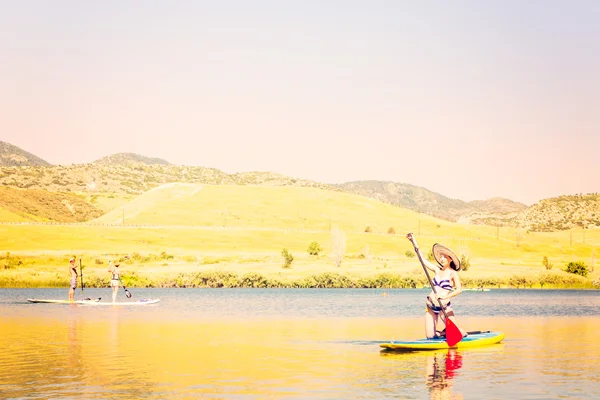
<point>295,344</point>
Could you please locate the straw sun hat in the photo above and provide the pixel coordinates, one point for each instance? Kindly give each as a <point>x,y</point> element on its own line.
<point>438,250</point>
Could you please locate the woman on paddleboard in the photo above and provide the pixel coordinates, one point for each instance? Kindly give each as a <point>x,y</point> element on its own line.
<point>446,284</point>
<point>114,280</point>
<point>73,278</point>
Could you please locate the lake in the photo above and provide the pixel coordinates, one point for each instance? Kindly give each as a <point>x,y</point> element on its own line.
<point>295,344</point>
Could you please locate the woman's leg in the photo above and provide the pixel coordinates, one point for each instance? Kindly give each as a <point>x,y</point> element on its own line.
<point>430,323</point>
<point>114,293</point>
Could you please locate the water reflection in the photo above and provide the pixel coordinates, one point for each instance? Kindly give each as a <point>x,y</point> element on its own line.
<point>170,351</point>
<point>440,369</point>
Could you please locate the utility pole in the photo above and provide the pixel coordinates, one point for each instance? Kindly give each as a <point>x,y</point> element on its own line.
<point>570,237</point>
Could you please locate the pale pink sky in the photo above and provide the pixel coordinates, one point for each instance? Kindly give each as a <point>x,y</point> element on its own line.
<point>468,99</point>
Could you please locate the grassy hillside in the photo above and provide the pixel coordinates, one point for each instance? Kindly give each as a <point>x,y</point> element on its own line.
<point>262,207</point>
<point>191,229</point>
<point>18,205</point>
<point>9,216</point>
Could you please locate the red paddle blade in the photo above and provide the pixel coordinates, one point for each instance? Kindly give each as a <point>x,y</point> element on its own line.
<point>453,335</point>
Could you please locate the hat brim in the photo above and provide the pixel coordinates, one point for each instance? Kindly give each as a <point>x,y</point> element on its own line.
<point>438,250</point>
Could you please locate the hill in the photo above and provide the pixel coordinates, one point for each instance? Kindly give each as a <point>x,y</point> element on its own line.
<point>126,158</point>
<point>128,174</point>
<point>19,205</point>
<point>496,211</point>
<point>562,213</point>
<point>133,178</point>
<point>272,207</point>
<point>11,155</point>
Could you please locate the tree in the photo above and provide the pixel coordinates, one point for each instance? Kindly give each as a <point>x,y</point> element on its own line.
<point>547,263</point>
<point>288,258</point>
<point>338,245</point>
<point>314,249</point>
<point>465,262</point>
<point>519,237</point>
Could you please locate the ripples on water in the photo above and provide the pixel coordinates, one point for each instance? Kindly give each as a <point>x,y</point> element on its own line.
<point>255,344</point>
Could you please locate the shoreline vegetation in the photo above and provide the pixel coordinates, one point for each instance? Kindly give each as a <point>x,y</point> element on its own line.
<point>167,271</point>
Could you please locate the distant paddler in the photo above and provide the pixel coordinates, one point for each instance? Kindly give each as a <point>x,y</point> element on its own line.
<point>73,281</point>
<point>115,278</point>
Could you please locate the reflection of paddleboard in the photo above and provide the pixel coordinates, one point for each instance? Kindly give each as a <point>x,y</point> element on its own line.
<point>93,301</point>
<point>473,340</point>
<point>96,302</point>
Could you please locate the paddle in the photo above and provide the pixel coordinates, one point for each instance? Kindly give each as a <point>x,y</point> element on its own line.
<point>453,334</point>
<point>474,332</point>
<point>81,276</point>
<point>127,294</point>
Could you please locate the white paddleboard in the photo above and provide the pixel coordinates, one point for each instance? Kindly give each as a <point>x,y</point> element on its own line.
<point>93,301</point>
<point>97,302</point>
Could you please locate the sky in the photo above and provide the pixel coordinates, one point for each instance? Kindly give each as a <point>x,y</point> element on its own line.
<point>469,99</point>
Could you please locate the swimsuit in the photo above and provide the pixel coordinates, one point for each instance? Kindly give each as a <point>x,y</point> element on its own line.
<point>435,307</point>
<point>73,283</point>
<point>115,277</point>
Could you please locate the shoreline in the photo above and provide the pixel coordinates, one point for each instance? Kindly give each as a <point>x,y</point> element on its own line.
<point>325,280</point>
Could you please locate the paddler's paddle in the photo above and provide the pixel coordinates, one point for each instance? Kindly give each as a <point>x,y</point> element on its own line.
<point>127,294</point>
<point>453,334</point>
<point>81,276</point>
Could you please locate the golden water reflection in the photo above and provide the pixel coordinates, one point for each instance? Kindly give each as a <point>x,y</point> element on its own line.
<point>117,355</point>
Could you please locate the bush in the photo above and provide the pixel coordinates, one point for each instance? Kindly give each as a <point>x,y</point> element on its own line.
<point>288,258</point>
<point>410,254</point>
<point>577,268</point>
<point>391,231</point>
<point>10,262</point>
<point>520,281</point>
<point>465,262</point>
<point>368,229</point>
<point>314,249</point>
<point>547,263</point>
